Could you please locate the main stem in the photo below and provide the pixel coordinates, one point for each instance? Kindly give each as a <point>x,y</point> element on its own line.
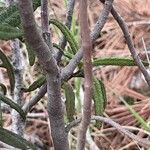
<point>49,64</point>
<point>87,51</point>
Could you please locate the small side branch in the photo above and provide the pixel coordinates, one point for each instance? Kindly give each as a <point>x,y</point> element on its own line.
<point>102,19</point>
<point>141,141</point>
<point>69,14</point>
<point>45,24</point>
<point>37,97</point>
<point>130,44</point>
<point>68,70</point>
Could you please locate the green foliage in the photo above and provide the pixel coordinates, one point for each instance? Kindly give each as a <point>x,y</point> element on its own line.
<point>9,67</point>
<point>75,28</point>
<point>7,32</point>
<point>10,23</point>
<point>129,100</point>
<point>31,55</point>
<point>15,140</point>
<point>66,54</point>
<point>70,101</point>
<point>10,15</point>
<point>66,32</point>
<point>3,89</point>
<point>77,84</point>
<point>99,97</point>
<point>36,84</point>
<point>13,105</point>
<point>116,61</point>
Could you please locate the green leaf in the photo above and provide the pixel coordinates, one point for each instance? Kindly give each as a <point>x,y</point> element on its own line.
<point>15,140</point>
<point>36,84</point>
<point>77,84</point>
<point>10,15</point>
<point>13,105</point>
<point>69,37</point>
<point>7,32</point>
<point>99,97</point>
<point>3,88</point>
<point>116,61</point>
<point>70,101</point>
<point>66,54</point>
<point>9,68</point>
<point>136,115</point>
<point>31,55</point>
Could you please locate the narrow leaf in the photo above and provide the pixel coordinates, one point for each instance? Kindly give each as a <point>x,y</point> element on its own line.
<point>13,105</point>
<point>9,68</point>
<point>99,97</point>
<point>3,88</point>
<point>77,93</point>
<point>137,116</point>
<point>69,37</point>
<point>70,101</point>
<point>15,140</point>
<point>36,84</point>
<point>8,32</point>
<point>66,54</point>
<point>31,55</point>
<point>116,61</point>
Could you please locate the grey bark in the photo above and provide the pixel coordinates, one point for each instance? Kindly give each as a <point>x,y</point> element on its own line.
<point>49,64</point>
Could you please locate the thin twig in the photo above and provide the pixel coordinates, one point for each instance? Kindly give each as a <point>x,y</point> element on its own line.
<point>35,99</point>
<point>146,53</point>
<point>44,16</point>
<point>130,44</point>
<point>141,141</point>
<point>69,14</point>
<point>87,66</point>
<point>68,70</point>
<point>45,24</point>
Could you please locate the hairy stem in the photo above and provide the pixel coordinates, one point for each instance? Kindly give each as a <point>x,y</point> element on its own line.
<point>49,64</point>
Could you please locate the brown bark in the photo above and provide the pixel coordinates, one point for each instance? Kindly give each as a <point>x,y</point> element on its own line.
<point>87,52</point>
